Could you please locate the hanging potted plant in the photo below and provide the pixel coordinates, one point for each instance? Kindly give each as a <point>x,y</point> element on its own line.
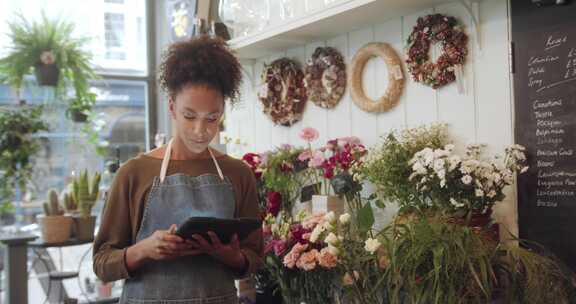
<point>18,147</point>
<point>80,106</point>
<point>48,49</point>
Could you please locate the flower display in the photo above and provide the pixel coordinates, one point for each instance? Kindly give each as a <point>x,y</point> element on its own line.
<point>466,182</point>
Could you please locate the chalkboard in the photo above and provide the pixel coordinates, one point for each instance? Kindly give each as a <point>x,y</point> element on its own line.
<point>544,67</point>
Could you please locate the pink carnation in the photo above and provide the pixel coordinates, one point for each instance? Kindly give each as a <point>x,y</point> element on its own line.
<point>317,160</point>
<point>309,134</point>
<point>305,155</point>
<point>307,260</point>
<point>326,259</point>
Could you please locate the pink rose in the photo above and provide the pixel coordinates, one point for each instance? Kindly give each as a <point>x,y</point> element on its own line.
<point>305,155</point>
<point>313,220</point>
<point>317,160</point>
<point>326,259</point>
<point>309,134</point>
<point>306,236</point>
<point>307,260</point>
<point>353,140</point>
<point>292,256</point>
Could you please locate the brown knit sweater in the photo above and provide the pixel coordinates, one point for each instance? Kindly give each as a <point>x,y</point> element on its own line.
<point>124,207</point>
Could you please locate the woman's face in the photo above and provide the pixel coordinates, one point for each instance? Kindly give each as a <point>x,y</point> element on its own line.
<point>197,110</point>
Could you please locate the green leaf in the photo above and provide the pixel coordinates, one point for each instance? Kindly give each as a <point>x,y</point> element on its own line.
<point>365,218</point>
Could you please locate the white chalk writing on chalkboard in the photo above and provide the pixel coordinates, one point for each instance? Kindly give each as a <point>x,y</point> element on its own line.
<point>542,174</point>
<point>538,104</point>
<point>554,193</point>
<point>551,153</point>
<point>556,84</point>
<point>555,42</point>
<point>540,203</point>
<point>534,60</point>
<point>572,53</point>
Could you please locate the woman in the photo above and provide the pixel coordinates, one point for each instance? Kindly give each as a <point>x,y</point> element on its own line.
<point>154,192</point>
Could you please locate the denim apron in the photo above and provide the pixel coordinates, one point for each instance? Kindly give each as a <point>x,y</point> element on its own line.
<point>191,279</point>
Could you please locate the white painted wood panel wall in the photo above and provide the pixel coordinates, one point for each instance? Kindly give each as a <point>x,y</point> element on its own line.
<point>483,114</point>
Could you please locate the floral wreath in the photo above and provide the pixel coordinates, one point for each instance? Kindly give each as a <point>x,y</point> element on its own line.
<point>428,30</point>
<point>325,77</point>
<point>395,77</point>
<point>283,94</point>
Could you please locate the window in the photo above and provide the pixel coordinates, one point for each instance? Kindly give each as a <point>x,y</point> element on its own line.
<point>119,45</point>
<point>114,36</point>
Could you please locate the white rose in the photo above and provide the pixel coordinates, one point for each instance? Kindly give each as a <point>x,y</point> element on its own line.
<point>466,179</point>
<point>316,233</point>
<point>345,218</point>
<point>371,245</point>
<point>330,217</point>
<point>449,147</point>
<point>331,239</point>
<point>328,226</point>
<point>333,250</point>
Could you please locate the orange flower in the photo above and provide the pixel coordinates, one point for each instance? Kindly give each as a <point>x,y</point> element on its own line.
<point>326,259</point>
<point>307,260</point>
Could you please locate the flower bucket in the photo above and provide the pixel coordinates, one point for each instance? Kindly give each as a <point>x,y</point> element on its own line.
<point>327,203</point>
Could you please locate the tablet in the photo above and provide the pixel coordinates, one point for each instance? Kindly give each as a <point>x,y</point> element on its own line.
<point>224,228</point>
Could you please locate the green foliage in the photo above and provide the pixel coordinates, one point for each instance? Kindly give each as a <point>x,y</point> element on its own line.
<point>52,207</point>
<point>433,261</point>
<point>531,277</point>
<point>17,146</point>
<point>387,166</point>
<point>280,175</point>
<point>85,192</point>
<point>70,203</point>
<point>30,39</point>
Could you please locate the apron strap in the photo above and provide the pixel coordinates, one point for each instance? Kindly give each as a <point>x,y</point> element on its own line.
<point>166,160</point>
<point>216,164</point>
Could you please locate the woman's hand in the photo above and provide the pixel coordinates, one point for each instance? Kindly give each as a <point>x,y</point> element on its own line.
<point>161,245</point>
<point>229,254</point>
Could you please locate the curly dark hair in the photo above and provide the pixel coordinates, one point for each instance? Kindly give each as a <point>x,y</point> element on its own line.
<point>202,60</point>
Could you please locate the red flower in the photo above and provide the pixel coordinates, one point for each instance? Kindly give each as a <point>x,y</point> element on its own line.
<point>274,203</point>
<point>298,232</point>
<point>286,167</point>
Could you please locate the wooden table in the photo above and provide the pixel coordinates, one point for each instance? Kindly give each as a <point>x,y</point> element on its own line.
<point>15,265</point>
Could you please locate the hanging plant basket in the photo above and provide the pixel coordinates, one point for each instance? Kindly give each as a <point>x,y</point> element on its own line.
<point>47,74</point>
<point>78,116</point>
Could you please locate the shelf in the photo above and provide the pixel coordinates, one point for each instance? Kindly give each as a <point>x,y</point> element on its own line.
<point>339,18</point>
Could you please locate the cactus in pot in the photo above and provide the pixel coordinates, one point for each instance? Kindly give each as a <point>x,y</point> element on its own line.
<point>70,204</point>
<point>84,196</point>
<point>56,227</point>
<point>85,192</point>
<point>52,207</point>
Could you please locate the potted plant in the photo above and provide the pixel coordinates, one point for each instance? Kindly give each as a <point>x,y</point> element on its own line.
<point>56,227</point>
<point>18,147</point>
<point>80,202</point>
<point>48,49</point>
